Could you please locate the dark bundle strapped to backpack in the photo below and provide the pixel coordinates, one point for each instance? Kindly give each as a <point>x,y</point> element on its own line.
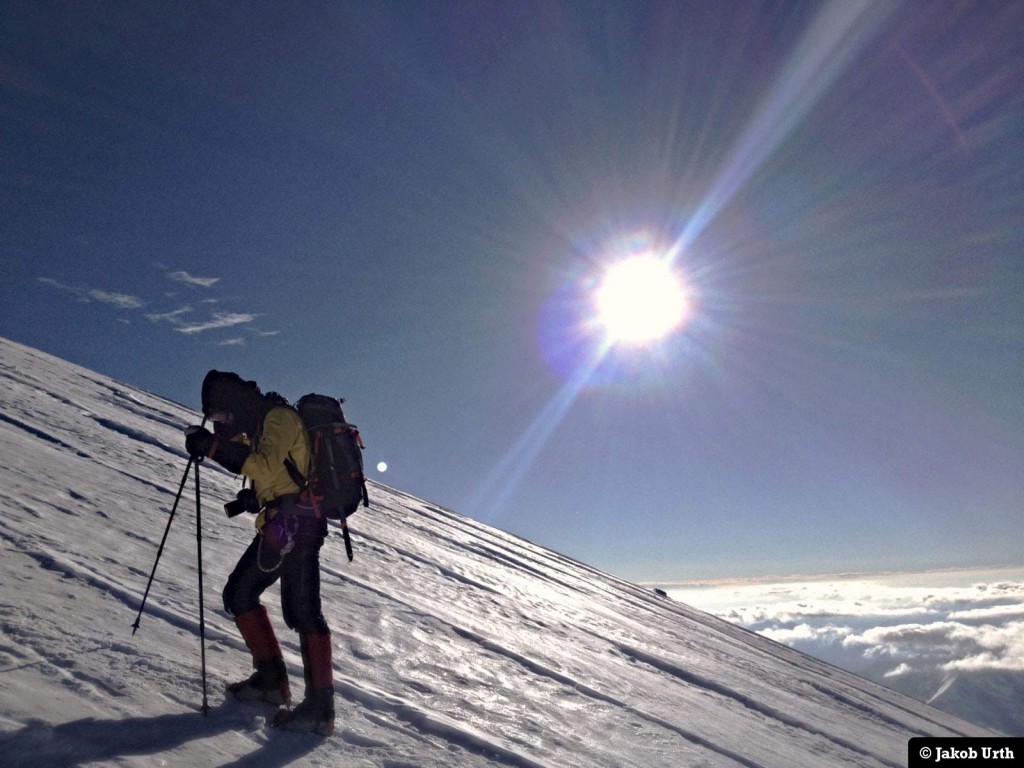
<point>336,483</point>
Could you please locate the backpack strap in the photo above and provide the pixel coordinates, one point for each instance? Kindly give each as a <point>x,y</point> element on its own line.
<point>293,472</point>
<point>303,482</point>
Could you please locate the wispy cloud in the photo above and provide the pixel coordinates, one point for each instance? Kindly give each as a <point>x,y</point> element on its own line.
<point>120,300</point>
<point>184,277</point>
<point>183,319</point>
<point>173,316</point>
<point>177,319</point>
<point>220,320</point>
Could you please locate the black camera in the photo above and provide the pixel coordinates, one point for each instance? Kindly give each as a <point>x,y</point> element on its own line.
<point>245,501</point>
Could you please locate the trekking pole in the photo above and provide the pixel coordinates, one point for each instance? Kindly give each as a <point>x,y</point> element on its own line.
<point>202,615</point>
<point>159,552</point>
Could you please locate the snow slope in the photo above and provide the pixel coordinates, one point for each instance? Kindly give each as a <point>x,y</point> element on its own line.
<point>455,644</point>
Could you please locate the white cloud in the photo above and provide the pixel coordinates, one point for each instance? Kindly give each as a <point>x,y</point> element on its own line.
<point>1014,610</point>
<point>997,647</point>
<point>937,643</point>
<point>828,633</point>
<point>56,284</point>
<point>220,320</point>
<point>174,316</point>
<point>185,277</point>
<point>893,625</point>
<point>902,669</point>
<point>120,300</point>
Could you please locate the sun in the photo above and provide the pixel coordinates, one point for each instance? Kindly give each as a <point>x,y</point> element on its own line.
<point>641,299</point>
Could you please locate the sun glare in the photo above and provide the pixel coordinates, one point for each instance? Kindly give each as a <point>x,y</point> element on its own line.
<point>640,299</point>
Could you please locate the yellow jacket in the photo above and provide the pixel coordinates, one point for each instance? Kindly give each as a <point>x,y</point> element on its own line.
<point>283,435</point>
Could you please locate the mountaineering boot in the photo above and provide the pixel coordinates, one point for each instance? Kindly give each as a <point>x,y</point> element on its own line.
<point>269,682</point>
<point>316,711</point>
<point>314,714</point>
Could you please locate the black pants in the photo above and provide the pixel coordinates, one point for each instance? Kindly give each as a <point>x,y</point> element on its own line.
<point>299,573</point>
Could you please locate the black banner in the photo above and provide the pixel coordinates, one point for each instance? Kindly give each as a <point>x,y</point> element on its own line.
<point>998,751</point>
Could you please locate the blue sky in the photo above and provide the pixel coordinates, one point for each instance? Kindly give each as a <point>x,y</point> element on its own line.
<point>410,204</point>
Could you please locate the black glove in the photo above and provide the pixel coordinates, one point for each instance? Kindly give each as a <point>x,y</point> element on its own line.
<point>198,442</point>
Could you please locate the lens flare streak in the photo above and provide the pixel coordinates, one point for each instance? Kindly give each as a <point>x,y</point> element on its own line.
<point>494,491</point>
<point>837,35</point>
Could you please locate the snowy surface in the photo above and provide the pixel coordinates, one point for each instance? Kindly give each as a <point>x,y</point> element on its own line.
<point>455,644</point>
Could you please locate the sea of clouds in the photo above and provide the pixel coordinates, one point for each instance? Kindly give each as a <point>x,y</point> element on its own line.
<point>884,625</point>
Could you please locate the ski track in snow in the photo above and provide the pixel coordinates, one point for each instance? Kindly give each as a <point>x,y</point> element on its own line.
<point>456,644</point>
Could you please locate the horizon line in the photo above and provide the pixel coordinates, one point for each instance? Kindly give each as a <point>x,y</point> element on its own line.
<point>841,575</point>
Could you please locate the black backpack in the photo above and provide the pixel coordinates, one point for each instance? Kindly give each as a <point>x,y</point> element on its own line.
<point>336,483</point>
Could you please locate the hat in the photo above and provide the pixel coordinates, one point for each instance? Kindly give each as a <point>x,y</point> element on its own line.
<point>225,391</point>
